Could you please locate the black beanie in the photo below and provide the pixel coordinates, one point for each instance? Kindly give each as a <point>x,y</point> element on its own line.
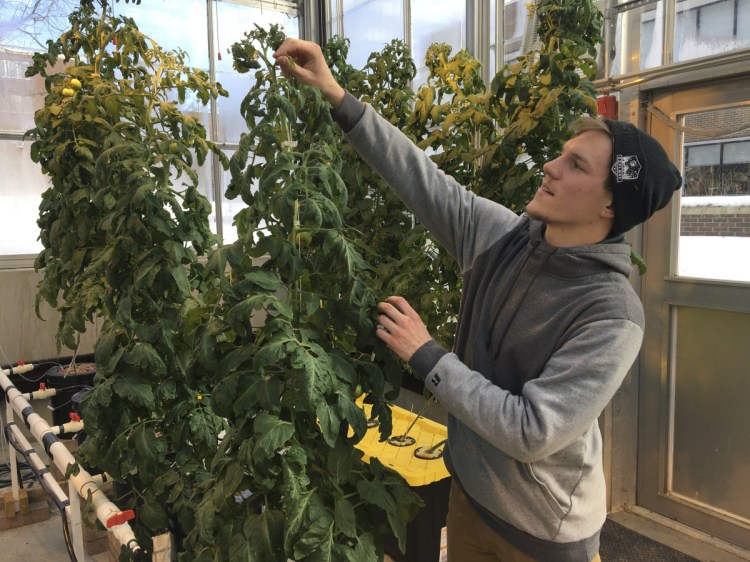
<point>643,178</point>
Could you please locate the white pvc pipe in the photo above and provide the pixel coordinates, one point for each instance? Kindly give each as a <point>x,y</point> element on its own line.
<point>70,427</point>
<point>39,394</point>
<point>107,512</point>
<point>38,465</point>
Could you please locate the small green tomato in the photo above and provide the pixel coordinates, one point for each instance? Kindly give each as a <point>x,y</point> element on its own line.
<point>358,391</point>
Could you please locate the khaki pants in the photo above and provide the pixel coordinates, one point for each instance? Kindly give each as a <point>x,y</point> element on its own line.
<point>470,539</point>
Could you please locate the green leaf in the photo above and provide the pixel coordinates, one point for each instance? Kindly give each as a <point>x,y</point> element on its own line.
<point>346,520</point>
<point>271,434</point>
<point>272,352</point>
<point>265,533</point>
<point>317,542</point>
<point>297,504</point>
<point>239,548</point>
<point>330,423</point>
<point>179,274</point>
<point>146,357</point>
<point>352,414</point>
<point>234,359</point>
<point>375,493</point>
<point>233,476</point>
<point>365,550</point>
<point>224,394</point>
<point>134,390</point>
<point>340,463</point>
<point>267,280</point>
<point>150,448</point>
<point>152,514</point>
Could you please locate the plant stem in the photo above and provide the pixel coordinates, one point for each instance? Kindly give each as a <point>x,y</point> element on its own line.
<point>419,415</point>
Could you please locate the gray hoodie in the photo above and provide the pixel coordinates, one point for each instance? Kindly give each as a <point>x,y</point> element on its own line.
<point>545,337</point>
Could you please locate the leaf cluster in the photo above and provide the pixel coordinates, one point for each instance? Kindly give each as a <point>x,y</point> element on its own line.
<point>289,308</point>
<point>542,94</point>
<point>115,144</point>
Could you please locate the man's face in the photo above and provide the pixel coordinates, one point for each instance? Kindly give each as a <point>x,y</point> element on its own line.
<point>574,193</point>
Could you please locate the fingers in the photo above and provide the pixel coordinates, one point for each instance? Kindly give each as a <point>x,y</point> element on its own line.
<point>396,308</point>
<point>400,327</point>
<point>295,48</point>
<point>304,60</point>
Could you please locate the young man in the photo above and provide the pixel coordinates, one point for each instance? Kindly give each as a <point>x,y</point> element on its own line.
<point>548,328</point>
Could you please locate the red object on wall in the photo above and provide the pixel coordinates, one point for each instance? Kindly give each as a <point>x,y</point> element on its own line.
<point>607,107</point>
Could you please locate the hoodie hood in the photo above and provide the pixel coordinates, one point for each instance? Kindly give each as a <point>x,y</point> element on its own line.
<point>528,279</point>
<point>612,254</point>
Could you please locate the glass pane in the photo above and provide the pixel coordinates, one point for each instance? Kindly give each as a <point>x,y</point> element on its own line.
<point>715,200</point>
<point>514,24</point>
<point>706,155</point>
<point>711,417</point>
<point>28,25</point>
<point>442,21</point>
<point>709,27</point>
<point>737,152</point>
<point>638,39</point>
<point>233,21</point>
<point>370,25</point>
<point>20,97</point>
<point>21,187</point>
<point>334,21</point>
<point>188,32</point>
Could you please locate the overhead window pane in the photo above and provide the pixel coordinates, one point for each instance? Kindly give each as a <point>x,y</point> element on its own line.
<point>233,20</point>
<point>370,25</point>
<point>710,27</point>
<point>638,39</point>
<point>441,21</point>
<point>27,26</point>
<point>188,32</point>
<point>515,18</point>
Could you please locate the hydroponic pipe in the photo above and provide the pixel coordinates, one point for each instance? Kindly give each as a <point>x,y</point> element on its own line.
<point>70,427</point>
<point>107,512</point>
<point>18,441</point>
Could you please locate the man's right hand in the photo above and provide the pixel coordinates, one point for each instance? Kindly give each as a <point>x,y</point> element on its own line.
<point>304,61</point>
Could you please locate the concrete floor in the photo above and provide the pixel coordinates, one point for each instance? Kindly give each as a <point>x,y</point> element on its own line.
<point>41,541</point>
<point>44,542</point>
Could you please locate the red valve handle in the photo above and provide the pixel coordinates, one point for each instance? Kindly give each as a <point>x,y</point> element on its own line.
<point>120,518</point>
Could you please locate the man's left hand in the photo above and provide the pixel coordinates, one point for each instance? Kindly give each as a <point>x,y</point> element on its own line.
<point>400,327</point>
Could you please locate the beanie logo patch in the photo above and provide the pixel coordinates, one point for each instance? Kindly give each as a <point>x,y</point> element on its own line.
<point>626,168</point>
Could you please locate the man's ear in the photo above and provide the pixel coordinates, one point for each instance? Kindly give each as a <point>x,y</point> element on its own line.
<point>608,210</point>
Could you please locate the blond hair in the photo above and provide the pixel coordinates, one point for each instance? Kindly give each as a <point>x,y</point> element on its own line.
<point>588,123</point>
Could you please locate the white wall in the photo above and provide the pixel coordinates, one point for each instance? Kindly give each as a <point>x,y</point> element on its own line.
<point>22,334</point>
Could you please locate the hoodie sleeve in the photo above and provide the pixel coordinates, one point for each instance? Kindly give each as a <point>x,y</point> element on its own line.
<point>554,409</point>
<point>462,222</point>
